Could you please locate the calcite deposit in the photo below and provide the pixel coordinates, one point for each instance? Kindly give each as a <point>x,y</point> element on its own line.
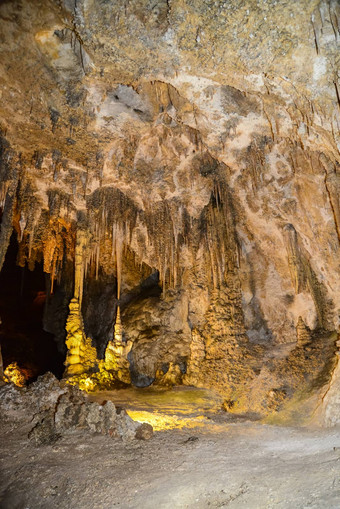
<point>52,409</point>
<point>179,161</point>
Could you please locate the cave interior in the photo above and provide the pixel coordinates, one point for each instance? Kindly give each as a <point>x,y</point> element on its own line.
<point>170,211</point>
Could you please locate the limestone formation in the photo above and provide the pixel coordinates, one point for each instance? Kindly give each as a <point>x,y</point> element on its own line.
<point>197,354</point>
<point>178,161</point>
<point>172,376</point>
<point>116,353</point>
<point>81,355</point>
<point>302,333</point>
<point>13,374</point>
<point>328,411</point>
<point>21,404</point>
<point>54,409</point>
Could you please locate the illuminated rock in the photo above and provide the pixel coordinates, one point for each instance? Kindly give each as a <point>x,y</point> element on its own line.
<point>116,353</point>
<point>118,334</point>
<point>173,376</point>
<point>81,355</point>
<point>15,375</point>
<point>197,354</point>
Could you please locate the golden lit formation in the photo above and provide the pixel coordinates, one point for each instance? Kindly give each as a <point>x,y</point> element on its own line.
<point>81,356</point>
<point>15,375</point>
<point>81,363</point>
<point>161,422</point>
<point>116,353</point>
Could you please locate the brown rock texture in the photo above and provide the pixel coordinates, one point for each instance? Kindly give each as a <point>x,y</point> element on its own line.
<point>54,409</point>
<point>191,143</point>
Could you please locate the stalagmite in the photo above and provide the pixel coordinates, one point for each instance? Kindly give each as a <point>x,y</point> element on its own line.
<point>303,333</point>
<point>117,350</point>
<point>116,360</point>
<point>118,336</point>
<point>116,353</point>
<point>81,355</point>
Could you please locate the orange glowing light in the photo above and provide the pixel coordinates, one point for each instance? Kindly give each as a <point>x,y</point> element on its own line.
<point>15,375</point>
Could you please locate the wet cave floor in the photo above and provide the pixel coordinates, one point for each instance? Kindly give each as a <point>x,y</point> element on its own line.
<point>197,458</point>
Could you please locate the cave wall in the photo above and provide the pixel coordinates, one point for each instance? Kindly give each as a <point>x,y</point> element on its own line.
<point>196,141</point>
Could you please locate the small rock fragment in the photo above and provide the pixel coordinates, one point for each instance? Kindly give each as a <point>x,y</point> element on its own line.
<point>144,431</point>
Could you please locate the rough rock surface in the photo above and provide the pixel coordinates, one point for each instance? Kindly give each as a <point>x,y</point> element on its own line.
<point>54,409</point>
<point>198,141</point>
<point>26,402</point>
<point>240,466</point>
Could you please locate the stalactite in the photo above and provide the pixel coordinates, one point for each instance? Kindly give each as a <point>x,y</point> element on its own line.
<point>7,216</point>
<point>119,240</point>
<point>3,192</point>
<point>30,243</point>
<point>294,258</point>
<point>22,224</point>
<point>80,261</point>
<point>166,231</point>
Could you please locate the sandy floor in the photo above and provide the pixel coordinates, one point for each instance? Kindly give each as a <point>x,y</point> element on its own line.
<point>216,464</point>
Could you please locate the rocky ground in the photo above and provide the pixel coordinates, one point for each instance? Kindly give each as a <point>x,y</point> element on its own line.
<point>223,463</point>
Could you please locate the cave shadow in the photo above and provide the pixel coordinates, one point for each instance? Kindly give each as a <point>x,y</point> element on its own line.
<point>22,300</point>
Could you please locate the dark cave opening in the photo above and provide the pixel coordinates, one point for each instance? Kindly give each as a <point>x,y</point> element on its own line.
<point>22,337</point>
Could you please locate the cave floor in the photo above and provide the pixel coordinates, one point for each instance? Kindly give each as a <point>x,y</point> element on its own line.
<point>178,408</point>
<point>217,462</point>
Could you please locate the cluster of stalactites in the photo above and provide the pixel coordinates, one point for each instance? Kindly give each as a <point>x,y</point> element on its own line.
<point>160,235</point>
<point>43,234</point>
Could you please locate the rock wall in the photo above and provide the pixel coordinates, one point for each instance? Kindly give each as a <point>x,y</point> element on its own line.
<point>198,143</point>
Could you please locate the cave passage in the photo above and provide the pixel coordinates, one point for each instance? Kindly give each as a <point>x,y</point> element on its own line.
<point>22,300</point>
